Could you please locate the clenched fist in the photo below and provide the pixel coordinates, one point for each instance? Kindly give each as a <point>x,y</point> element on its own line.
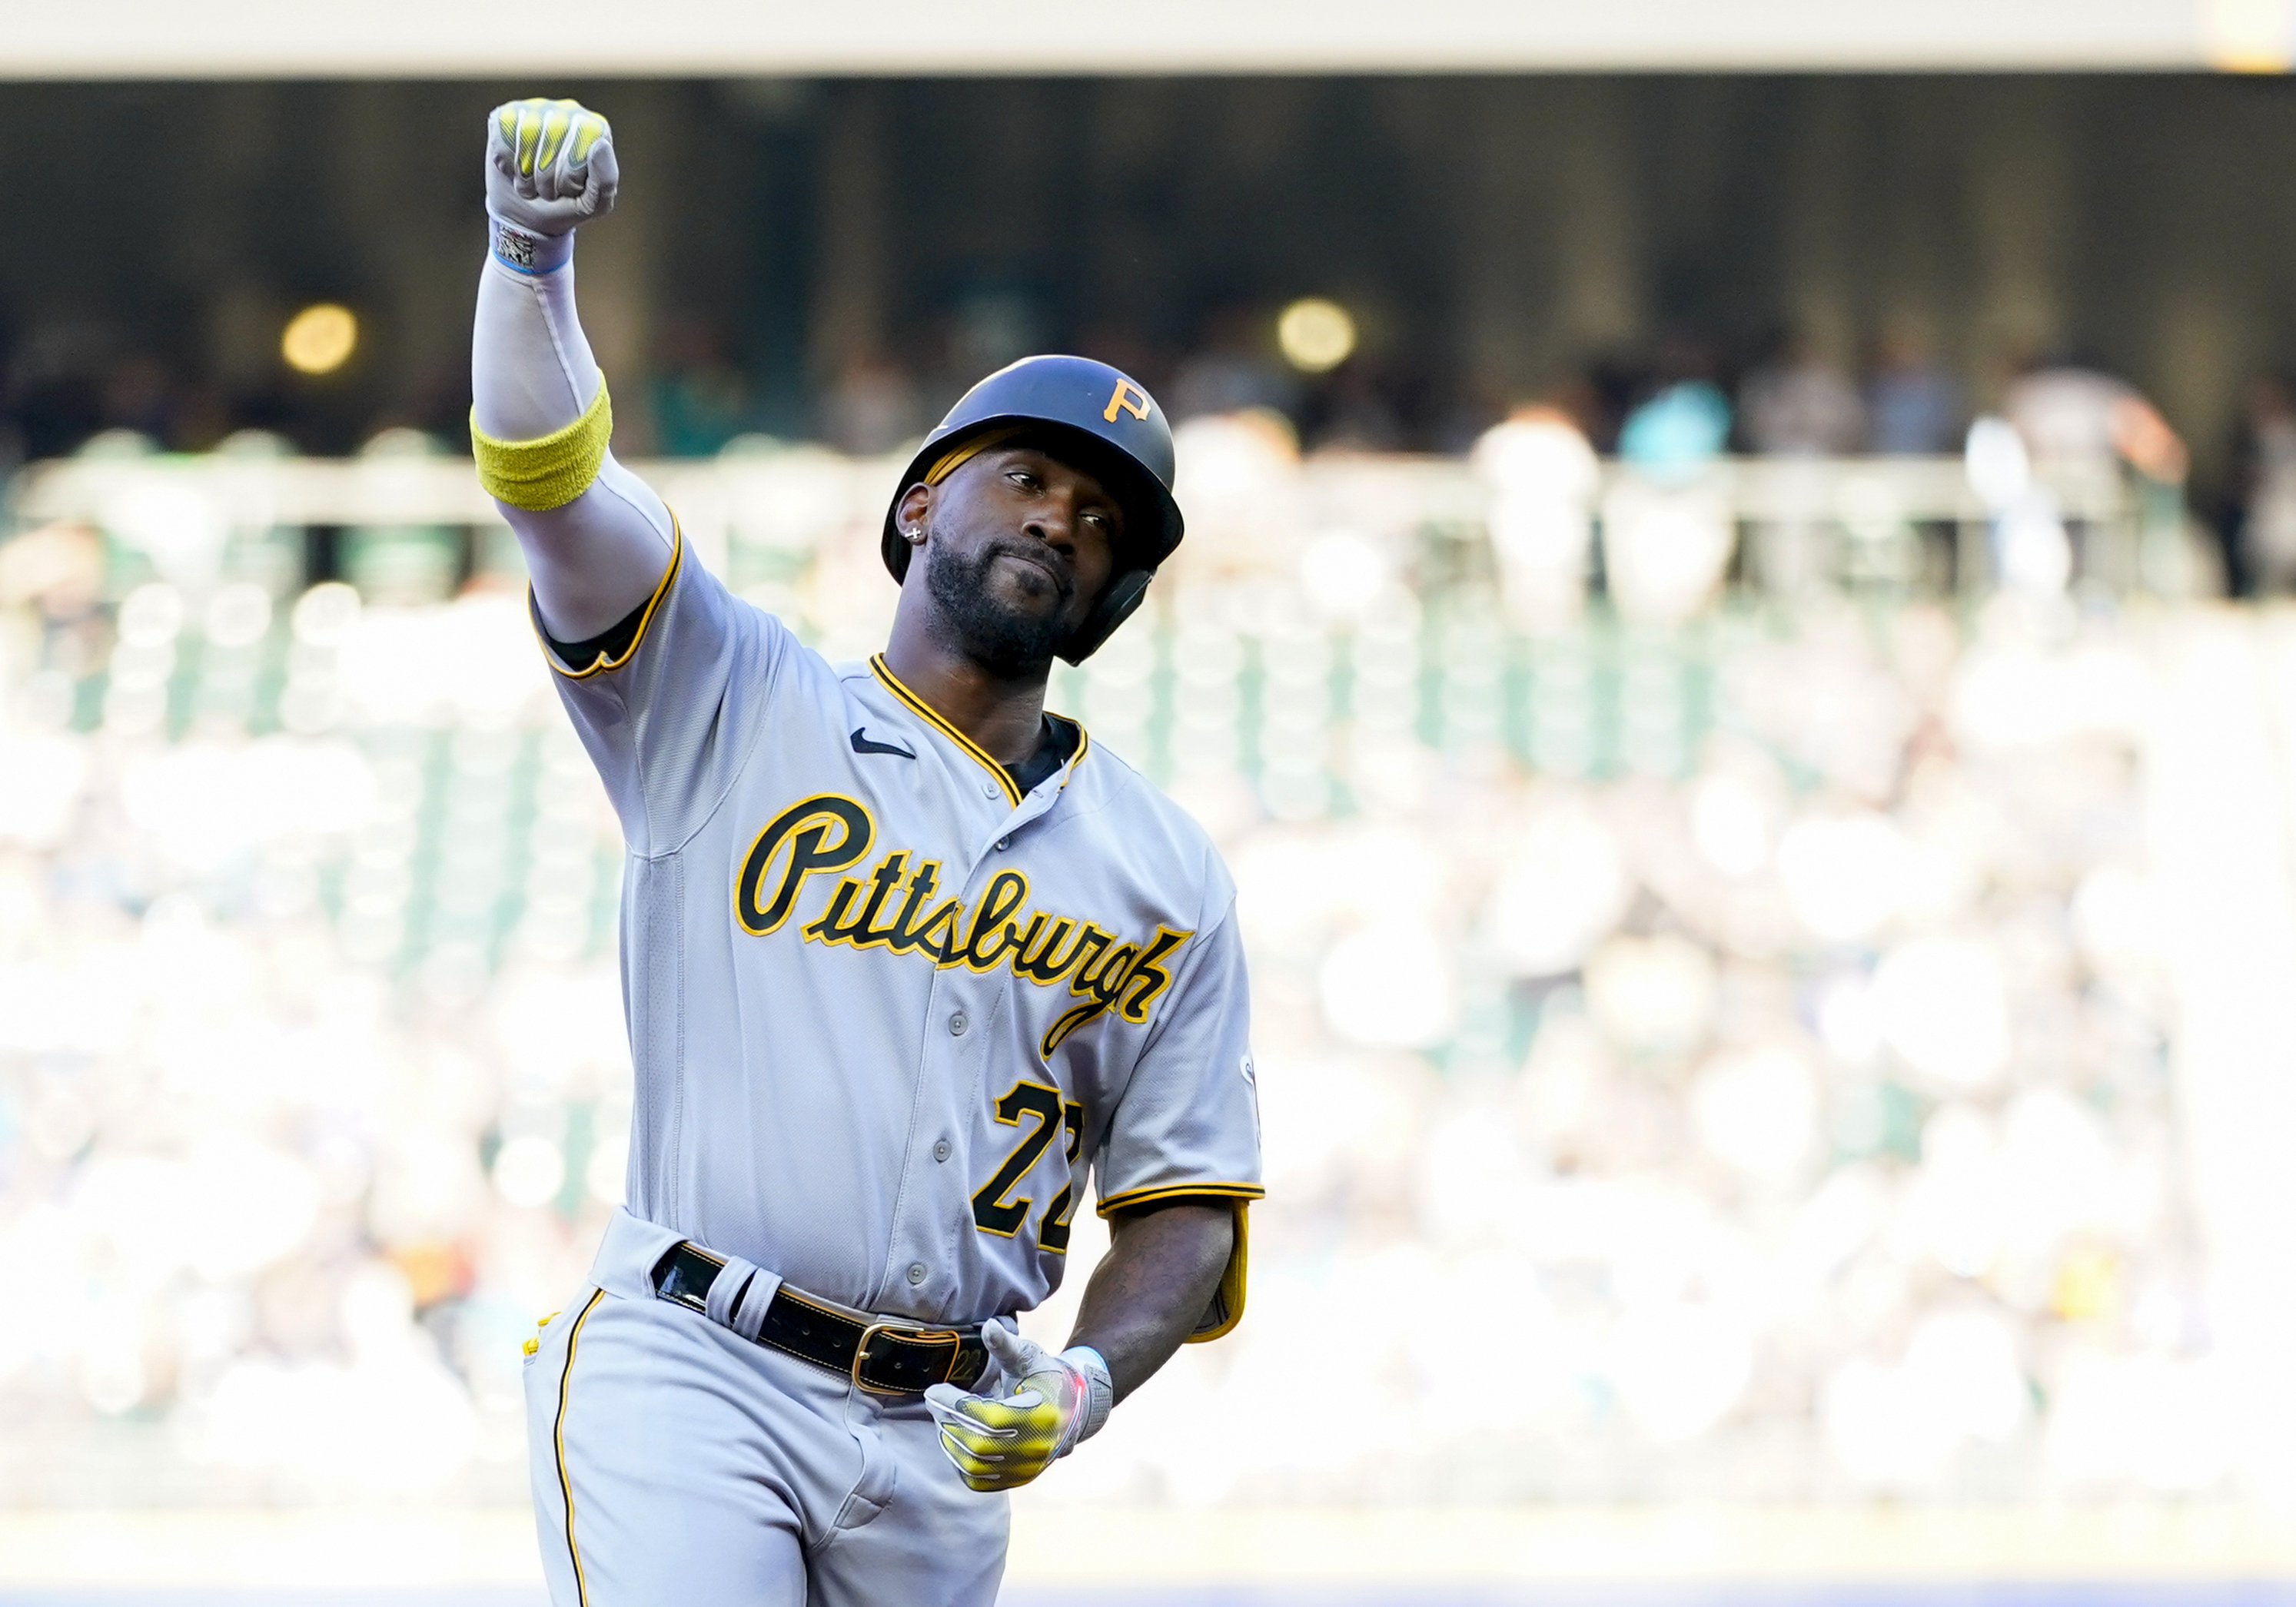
<point>550,165</point>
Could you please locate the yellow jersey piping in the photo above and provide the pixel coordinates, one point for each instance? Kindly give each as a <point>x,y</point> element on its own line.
<point>1141,1196</point>
<point>926,712</point>
<point>558,1441</point>
<point>1234,1277</point>
<point>1084,746</point>
<point>602,664</point>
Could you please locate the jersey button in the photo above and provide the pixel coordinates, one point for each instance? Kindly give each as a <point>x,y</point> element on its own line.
<point>1003,843</point>
<point>916,1272</point>
<point>957,1024</point>
<point>940,1150</point>
<point>989,789</point>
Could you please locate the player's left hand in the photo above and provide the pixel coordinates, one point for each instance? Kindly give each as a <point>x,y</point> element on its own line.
<point>1002,1444</point>
<point>550,165</point>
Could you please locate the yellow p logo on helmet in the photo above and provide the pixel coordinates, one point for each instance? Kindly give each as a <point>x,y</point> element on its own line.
<point>1130,398</point>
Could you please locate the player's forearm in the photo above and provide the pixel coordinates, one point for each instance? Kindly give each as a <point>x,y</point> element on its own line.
<point>531,371</point>
<point>599,554</point>
<point>1149,1290</point>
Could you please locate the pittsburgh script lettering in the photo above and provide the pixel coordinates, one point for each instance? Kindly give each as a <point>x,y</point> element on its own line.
<point>893,907</point>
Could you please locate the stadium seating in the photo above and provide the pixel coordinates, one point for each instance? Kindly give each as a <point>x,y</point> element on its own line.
<point>1739,1055</point>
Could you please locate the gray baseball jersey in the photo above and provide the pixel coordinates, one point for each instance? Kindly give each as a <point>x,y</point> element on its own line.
<point>885,1009</point>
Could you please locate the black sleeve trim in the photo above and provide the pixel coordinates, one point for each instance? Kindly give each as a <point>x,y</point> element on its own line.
<point>579,661</point>
<point>1206,1191</point>
<point>611,643</point>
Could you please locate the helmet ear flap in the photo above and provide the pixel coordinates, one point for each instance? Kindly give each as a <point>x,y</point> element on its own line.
<point>896,553</point>
<point>1119,603</point>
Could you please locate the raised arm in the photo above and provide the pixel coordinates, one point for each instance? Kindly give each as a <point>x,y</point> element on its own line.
<point>597,539</point>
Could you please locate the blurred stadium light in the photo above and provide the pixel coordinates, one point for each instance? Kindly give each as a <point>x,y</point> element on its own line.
<point>432,37</point>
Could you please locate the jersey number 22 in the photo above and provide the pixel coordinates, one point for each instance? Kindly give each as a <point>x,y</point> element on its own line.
<point>992,1213</point>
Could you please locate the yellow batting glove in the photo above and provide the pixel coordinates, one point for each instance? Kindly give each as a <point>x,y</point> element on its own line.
<point>1059,1401</point>
<point>550,167</point>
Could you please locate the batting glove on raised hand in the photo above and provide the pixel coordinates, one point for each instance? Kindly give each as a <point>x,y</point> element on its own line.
<point>550,165</point>
<point>1058,1401</point>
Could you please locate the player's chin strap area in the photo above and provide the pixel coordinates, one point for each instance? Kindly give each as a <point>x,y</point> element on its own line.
<point>885,1356</point>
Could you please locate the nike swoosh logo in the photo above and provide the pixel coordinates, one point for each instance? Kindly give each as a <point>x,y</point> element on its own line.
<point>862,744</point>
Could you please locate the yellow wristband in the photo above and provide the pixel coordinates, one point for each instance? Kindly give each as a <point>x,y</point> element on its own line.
<point>552,470</point>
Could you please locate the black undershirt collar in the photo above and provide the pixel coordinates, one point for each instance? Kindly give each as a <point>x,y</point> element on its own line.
<point>1056,744</point>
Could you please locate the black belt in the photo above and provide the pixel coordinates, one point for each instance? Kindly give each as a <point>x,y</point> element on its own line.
<point>883,1356</point>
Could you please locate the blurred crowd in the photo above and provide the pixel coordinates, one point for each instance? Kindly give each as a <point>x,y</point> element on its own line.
<point>1706,1050</point>
<point>1669,409</point>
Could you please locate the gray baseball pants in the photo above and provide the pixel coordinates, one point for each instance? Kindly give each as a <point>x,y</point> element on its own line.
<point>678,1464</point>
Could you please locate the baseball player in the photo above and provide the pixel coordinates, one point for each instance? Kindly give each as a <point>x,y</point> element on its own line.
<point>904,956</point>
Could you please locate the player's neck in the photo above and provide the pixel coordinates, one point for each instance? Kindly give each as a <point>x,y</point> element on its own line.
<point>1004,717</point>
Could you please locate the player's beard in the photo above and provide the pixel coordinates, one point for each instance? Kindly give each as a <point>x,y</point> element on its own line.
<point>1009,643</point>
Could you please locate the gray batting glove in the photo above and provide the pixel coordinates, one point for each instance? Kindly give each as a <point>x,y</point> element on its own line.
<point>1055,1401</point>
<point>550,165</point>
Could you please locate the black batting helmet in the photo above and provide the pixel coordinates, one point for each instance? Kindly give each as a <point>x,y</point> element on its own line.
<point>1119,435</point>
